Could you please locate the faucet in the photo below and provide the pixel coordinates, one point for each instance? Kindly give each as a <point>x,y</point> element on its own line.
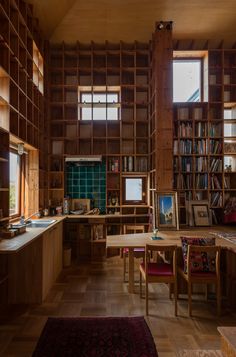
<point>24,221</point>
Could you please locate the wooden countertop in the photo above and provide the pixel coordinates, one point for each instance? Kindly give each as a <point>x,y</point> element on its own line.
<point>13,245</point>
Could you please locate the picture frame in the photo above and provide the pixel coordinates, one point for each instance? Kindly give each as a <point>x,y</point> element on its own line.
<point>166,210</point>
<point>201,216</point>
<point>189,211</point>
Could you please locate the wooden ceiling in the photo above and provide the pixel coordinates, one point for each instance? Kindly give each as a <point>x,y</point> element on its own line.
<point>129,20</point>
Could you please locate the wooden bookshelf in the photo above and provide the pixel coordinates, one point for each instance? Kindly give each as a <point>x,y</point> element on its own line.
<point>204,139</point>
<point>123,142</point>
<point>22,106</point>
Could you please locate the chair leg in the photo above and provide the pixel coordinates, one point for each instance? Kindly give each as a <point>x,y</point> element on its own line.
<point>218,299</point>
<point>206,292</point>
<point>140,284</point>
<point>190,299</point>
<point>124,266</point>
<point>170,287</point>
<point>176,296</point>
<point>146,296</point>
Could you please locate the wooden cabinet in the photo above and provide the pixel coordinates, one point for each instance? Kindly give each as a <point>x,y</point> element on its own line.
<point>33,270</point>
<point>25,274</point>
<point>51,257</point>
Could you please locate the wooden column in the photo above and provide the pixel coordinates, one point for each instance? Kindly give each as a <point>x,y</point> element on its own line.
<point>162,71</point>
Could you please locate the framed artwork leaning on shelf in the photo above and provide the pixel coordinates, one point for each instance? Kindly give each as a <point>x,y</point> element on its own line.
<point>201,214</point>
<point>166,210</point>
<point>189,211</point>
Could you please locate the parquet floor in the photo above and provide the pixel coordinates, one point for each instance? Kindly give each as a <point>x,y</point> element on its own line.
<point>98,290</point>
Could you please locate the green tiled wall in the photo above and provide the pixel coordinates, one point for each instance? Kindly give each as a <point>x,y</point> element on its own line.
<point>88,182</point>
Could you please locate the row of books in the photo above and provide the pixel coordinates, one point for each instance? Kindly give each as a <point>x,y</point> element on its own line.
<point>198,147</point>
<point>216,199</point>
<point>215,130</point>
<point>183,182</point>
<point>187,181</point>
<point>216,165</point>
<point>201,181</point>
<point>215,147</point>
<point>215,183</point>
<point>201,164</point>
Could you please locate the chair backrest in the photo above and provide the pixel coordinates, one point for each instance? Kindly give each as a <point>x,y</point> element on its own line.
<point>208,255</point>
<point>133,229</point>
<point>170,249</point>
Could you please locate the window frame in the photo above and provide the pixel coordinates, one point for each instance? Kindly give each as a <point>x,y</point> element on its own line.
<point>144,190</point>
<point>191,59</point>
<point>20,181</point>
<point>91,105</point>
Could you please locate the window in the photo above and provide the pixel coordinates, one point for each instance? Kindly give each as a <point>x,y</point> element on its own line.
<point>187,80</point>
<point>38,78</point>
<point>15,182</point>
<point>134,190</point>
<point>99,103</point>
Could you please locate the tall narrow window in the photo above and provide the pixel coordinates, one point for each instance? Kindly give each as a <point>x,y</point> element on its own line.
<point>14,184</point>
<point>187,80</point>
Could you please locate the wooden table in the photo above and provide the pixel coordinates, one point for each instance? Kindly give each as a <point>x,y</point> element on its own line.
<point>139,240</point>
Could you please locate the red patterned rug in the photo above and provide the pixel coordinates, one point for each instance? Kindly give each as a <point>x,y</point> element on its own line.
<point>96,337</point>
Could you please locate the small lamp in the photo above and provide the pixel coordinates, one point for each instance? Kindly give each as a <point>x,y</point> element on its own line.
<point>20,148</point>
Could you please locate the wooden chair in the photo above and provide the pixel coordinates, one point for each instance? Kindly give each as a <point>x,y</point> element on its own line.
<point>138,252</point>
<point>159,272</point>
<point>202,277</point>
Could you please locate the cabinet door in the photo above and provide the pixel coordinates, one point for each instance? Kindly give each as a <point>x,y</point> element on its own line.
<point>25,274</point>
<point>48,257</point>
<point>52,257</point>
<point>57,240</point>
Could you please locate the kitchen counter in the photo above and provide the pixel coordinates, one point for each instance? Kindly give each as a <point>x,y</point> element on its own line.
<point>13,245</point>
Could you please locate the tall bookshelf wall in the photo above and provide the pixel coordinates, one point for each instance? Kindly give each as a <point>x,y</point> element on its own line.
<point>19,33</point>
<point>204,140</point>
<point>123,143</point>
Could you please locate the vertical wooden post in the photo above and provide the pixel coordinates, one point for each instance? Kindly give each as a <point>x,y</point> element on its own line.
<point>163,89</point>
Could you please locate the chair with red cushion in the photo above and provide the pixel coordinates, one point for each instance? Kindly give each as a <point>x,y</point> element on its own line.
<point>159,272</point>
<point>138,252</point>
<point>199,270</point>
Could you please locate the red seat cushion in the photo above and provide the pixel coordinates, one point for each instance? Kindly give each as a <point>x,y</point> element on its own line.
<point>162,269</point>
<point>138,250</point>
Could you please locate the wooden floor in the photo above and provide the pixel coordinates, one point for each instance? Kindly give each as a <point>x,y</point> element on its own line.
<point>98,290</point>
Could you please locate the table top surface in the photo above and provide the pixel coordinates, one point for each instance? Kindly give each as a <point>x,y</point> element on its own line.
<point>139,240</point>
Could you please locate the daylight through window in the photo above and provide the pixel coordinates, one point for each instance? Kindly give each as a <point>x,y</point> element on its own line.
<point>14,184</point>
<point>187,80</point>
<point>99,104</point>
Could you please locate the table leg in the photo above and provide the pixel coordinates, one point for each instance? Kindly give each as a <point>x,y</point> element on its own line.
<point>131,270</point>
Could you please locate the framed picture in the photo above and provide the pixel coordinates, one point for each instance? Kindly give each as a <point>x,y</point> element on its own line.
<point>166,210</point>
<point>189,210</point>
<point>201,215</point>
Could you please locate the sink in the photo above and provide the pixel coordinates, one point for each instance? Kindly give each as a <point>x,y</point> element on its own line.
<point>37,223</point>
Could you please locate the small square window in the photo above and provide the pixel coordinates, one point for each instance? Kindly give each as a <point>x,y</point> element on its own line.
<point>134,190</point>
